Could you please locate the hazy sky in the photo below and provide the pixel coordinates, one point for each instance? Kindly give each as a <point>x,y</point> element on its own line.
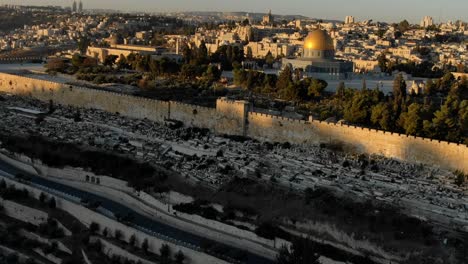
<point>383,10</point>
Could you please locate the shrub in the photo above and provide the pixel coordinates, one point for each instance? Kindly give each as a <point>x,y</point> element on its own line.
<point>460,178</point>
<point>94,227</point>
<point>145,245</point>
<point>118,234</point>
<point>52,203</point>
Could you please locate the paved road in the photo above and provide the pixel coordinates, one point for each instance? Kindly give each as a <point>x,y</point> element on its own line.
<point>142,222</point>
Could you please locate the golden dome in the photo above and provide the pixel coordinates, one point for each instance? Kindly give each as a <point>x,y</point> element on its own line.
<point>318,40</point>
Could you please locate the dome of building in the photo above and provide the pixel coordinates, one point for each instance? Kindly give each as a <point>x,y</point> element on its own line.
<point>318,40</point>
<point>318,45</point>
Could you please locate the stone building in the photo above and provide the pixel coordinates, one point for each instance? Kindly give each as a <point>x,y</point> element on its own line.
<point>427,21</point>
<point>318,59</point>
<point>268,19</point>
<point>349,20</point>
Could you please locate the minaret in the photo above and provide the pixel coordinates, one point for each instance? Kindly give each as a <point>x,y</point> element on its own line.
<point>74,6</point>
<point>80,7</point>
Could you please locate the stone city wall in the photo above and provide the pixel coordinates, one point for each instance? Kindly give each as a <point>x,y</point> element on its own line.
<point>266,127</point>
<point>193,115</point>
<point>131,106</point>
<point>233,118</point>
<point>359,140</point>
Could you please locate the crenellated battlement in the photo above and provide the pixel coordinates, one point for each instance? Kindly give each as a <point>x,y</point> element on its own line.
<point>277,118</point>
<point>198,107</point>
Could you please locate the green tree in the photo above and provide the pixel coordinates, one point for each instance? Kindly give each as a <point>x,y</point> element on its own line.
<point>94,227</point>
<point>290,93</point>
<point>358,109</point>
<point>165,254</point>
<point>399,88</point>
<point>445,83</point>
<point>212,74</point>
<point>42,197</point>
<point>284,79</point>
<point>317,87</point>
<point>144,246</point>
<point>188,71</point>
<point>110,60</point>
<point>77,60</point>
<point>3,184</point>
<point>381,33</point>
<point>403,26</point>
<point>118,234</point>
<point>463,121</point>
<point>381,116</point>
<point>250,82</point>
<point>122,63</point>
<point>179,257</point>
<point>430,87</point>
<point>383,62</point>
<point>460,178</point>
<point>341,90</point>
<point>158,40</point>
<point>83,44</point>
<point>187,53</point>
<point>412,121</point>
<point>399,94</point>
<point>460,88</point>
<point>249,53</point>
<point>132,241</point>
<point>52,204</point>
<point>445,124</point>
<point>240,77</point>
<point>202,53</point>
<point>269,59</point>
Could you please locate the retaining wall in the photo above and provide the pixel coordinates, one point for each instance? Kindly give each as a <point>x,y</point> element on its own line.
<point>119,191</point>
<point>87,216</point>
<point>24,213</point>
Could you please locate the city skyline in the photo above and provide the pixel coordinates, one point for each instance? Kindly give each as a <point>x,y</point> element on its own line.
<point>215,132</point>
<point>393,11</point>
